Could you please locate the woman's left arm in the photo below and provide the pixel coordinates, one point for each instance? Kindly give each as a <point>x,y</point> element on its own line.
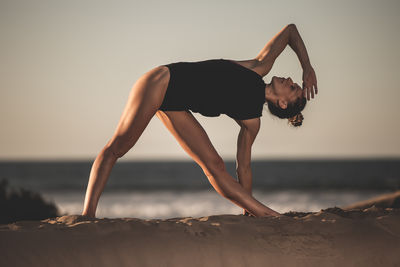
<point>247,135</point>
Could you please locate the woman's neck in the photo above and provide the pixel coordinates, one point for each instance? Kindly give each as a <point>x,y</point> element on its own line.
<point>269,94</point>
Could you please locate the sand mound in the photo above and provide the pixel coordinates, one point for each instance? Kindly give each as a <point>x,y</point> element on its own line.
<point>330,237</point>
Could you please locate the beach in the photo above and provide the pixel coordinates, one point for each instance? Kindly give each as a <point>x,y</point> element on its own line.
<point>170,189</point>
<point>347,236</point>
<point>126,110</point>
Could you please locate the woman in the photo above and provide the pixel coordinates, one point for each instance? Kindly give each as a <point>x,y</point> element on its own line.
<point>210,87</point>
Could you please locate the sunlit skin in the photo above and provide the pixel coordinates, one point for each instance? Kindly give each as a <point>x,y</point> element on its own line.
<point>145,99</point>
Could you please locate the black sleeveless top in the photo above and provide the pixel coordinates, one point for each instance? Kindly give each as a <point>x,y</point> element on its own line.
<point>213,87</point>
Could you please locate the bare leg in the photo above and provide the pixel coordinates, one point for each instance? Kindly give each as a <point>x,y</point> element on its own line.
<point>194,140</point>
<point>144,100</point>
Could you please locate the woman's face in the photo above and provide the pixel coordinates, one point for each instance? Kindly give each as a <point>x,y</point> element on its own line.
<point>286,90</point>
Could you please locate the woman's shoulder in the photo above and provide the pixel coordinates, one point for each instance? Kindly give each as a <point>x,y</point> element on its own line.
<point>250,64</point>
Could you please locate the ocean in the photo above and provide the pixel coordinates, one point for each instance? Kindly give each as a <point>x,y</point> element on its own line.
<point>168,189</point>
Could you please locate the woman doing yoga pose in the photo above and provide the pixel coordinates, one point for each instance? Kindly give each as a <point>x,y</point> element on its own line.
<point>210,87</point>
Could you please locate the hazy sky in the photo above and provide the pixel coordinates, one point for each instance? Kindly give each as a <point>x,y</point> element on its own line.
<point>67,68</point>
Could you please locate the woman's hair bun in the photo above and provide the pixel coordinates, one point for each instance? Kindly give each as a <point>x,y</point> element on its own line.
<point>296,120</point>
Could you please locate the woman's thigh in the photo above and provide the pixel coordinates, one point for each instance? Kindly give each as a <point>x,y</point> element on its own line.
<point>143,102</point>
<point>193,139</point>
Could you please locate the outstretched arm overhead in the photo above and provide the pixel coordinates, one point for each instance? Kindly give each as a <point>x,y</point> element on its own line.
<point>289,35</point>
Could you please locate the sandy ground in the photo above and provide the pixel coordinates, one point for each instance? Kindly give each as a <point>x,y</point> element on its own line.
<point>352,236</point>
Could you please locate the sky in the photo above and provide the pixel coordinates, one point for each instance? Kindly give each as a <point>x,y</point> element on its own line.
<point>67,68</point>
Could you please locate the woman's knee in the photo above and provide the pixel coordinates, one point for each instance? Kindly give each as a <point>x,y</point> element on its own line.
<point>116,149</point>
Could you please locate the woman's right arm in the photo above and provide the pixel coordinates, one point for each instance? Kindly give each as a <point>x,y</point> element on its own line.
<point>273,49</point>
<point>309,78</point>
<point>289,35</point>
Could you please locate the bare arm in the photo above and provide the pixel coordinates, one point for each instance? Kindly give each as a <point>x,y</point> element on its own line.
<point>273,49</point>
<point>247,135</point>
<point>297,44</point>
<point>309,78</point>
<point>289,35</point>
